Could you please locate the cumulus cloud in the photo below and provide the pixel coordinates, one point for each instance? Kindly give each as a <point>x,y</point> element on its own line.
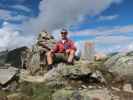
<point>6,15</point>
<point>10,38</point>
<point>129,47</point>
<point>55,14</point>
<point>19,18</point>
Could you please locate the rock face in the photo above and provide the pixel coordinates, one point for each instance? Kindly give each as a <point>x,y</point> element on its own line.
<point>62,73</point>
<point>121,65</point>
<point>98,94</point>
<point>66,71</point>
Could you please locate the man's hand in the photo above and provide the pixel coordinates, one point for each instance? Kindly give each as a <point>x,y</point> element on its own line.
<point>67,51</point>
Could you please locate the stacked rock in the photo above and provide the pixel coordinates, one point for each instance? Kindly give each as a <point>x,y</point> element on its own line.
<point>37,60</point>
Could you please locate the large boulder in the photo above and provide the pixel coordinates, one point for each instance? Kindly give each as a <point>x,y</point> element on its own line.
<point>96,94</point>
<point>7,75</point>
<point>121,65</point>
<point>62,73</point>
<point>59,72</point>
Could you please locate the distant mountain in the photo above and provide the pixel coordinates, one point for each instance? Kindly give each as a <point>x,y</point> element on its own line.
<point>112,54</point>
<point>12,57</point>
<point>3,55</point>
<point>115,53</point>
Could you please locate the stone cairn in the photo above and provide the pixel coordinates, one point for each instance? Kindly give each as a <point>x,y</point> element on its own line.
<point>88,52</point>
<point>34,59</point>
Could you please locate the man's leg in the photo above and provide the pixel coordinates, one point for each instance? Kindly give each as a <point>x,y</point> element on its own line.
<point>71,54</point>
<point>50,60</point>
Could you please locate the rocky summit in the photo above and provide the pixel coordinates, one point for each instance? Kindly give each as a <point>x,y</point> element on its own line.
<point>104,79</point>
<point>121,65</point>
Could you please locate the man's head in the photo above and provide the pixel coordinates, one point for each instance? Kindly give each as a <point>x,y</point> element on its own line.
<point>64,33</point>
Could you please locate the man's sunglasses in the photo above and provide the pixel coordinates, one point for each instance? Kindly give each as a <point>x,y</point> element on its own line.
<point>63,32</point>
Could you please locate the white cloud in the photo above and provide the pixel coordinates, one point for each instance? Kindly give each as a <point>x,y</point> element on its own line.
<point>111,17</point>
<point>6,16</point>
<point>130,47</point>
<point>79,46</point>
<point>56,34</point>
<point>11,38</point>
<point>21,7</point>
<point>55,14</point>
<point>19,18</point>
<point>127,48</point>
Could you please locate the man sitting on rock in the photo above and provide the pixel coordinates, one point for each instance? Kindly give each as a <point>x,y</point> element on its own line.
<point>65,46</point>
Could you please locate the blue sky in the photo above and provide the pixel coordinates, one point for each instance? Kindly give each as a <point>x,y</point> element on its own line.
<point>108,23</point>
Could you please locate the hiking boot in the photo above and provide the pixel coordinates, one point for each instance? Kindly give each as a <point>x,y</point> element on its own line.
<point>70,63</point>
<point>50,67</point>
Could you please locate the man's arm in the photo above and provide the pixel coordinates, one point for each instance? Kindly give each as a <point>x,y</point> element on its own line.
<point>72,46</point>
<point>55,48</point>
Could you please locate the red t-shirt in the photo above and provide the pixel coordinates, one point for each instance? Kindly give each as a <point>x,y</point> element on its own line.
<point>61,47</point>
